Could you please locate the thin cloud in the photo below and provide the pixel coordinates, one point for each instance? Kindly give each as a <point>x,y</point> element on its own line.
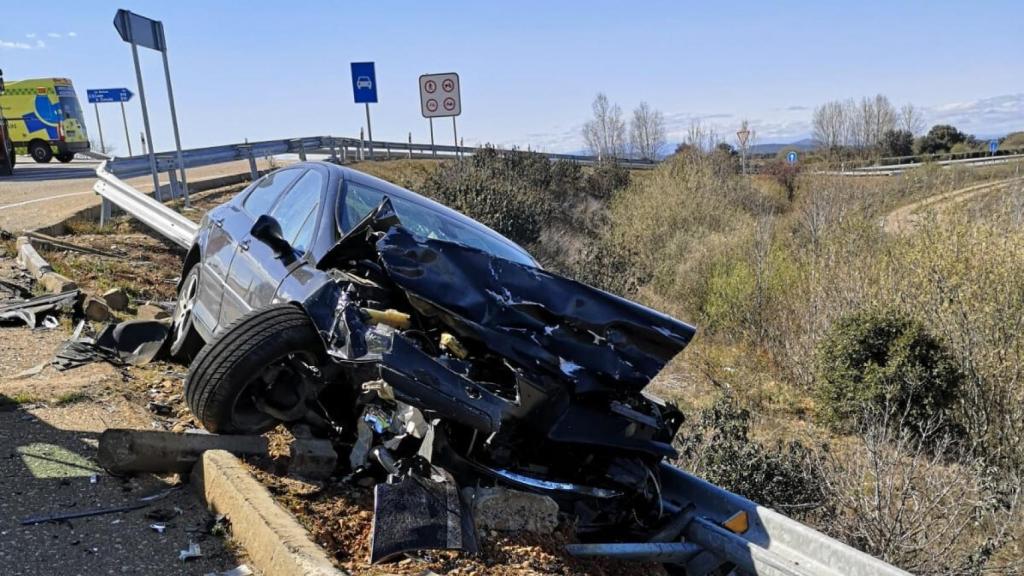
<point>53,35</point>
<point>15,45</point>
<point>72,34</point>
<point>40,44</point>
<point>31,35</point>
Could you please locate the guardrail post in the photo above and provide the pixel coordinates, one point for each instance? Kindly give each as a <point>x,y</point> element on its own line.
<point>344,153</point>
<point>387,152</point>
<point>172,183</point>
<point>362,143</point>
<point>105,209</point>
<point>410,145</point>
<point>334,150</point>
<point>253,171</point>
<point>302,152</point>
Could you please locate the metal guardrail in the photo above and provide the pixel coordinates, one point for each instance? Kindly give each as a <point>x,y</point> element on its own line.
<point>162,219</point>
<point>772,544</point>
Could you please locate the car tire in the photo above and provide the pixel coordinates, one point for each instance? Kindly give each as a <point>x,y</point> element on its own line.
<point>185,340</point>
<point>65,157</point>
<point>226,377</point>
<point>41,152</point>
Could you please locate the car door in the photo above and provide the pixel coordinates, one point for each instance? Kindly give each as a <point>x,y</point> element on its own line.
<point>234,220</point>
<point>256,270</point>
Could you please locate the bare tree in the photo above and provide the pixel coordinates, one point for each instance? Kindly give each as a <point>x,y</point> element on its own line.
<point>867,120</point>
<point>647,132</point>
<point>605,134</point>
<point>701,137</point>
<point>911,119</point>
<point>830,124</point>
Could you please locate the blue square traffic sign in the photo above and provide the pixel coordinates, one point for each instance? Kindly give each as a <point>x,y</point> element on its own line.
<point>364,82</point>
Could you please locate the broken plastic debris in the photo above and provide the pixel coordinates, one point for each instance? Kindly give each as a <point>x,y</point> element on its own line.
<point>192,551</point>
<point>158,527</point>
<point>50,322</point>
<point>240,570</point>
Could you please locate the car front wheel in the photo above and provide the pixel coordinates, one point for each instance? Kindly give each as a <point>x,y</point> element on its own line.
<point>185,341</point>
<point>259,372</point>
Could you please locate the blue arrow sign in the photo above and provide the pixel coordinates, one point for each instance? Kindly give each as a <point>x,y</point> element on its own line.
<point>791,157</point>
<point>364,82</point>
<point>993,145</point>
<point>102,95</point>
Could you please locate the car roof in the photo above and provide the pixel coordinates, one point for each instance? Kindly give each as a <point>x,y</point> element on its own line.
<point>348,174</point>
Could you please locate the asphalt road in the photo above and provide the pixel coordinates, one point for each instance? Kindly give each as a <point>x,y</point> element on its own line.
<point>40,195</point>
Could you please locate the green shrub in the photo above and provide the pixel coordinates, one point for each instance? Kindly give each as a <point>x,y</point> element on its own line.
<point>878,360</point>
<point>509,192</point>
<point>718,448</point>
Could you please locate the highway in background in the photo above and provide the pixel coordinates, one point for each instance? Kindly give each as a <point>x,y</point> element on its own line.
<point>40,195</point>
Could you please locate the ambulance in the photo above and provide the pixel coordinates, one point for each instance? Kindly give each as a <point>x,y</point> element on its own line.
<point>44,118</point>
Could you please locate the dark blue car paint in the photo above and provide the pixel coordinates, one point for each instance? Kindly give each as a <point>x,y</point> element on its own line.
<point>261,278</point>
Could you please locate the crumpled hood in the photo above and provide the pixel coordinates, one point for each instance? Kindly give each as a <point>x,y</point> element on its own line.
<point>539,321</point>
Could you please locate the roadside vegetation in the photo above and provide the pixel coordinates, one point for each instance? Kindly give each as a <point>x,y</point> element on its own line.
<point>865,381</point>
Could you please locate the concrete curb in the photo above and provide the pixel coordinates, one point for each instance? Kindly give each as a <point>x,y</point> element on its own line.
<point>40,268</point>
<point>274,540</point>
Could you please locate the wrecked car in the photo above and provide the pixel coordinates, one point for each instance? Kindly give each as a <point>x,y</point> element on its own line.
<point>433,351</point>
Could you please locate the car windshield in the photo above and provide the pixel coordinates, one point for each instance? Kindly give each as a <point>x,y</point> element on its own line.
<point>359,200</point>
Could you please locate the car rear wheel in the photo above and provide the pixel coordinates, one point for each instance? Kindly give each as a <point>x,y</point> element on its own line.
<point>40,152</point>
<point>185,340</point>
<point>255,374</point>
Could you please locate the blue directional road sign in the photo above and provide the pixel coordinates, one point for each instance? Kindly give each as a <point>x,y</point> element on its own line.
<point>791,157</point>
<point>993,145</point>
<point>103,95</point>
<point>364,83</point>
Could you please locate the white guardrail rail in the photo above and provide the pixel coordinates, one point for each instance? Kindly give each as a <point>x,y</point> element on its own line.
<point>711,526</point>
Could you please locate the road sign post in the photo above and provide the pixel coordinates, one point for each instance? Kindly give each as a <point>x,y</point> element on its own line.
<point>141,31</point>
<point>127,137</point>
<point>106,95</point>
<point>743,135</point>
<point>440,97</point>
<point>103,146</point>
<point>364,91</point>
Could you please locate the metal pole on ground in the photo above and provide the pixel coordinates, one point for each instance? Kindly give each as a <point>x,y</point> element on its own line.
<point>410,145</point>
<point>174,121</point>
<point>103,147</point>
<point>145,122</point>
<point>369,130</point>
<point>127,138</point>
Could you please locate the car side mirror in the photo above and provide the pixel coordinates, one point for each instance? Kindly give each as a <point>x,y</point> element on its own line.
<point>268,230</point>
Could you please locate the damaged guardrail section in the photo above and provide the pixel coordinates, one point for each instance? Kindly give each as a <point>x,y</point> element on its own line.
<point>147,210</point>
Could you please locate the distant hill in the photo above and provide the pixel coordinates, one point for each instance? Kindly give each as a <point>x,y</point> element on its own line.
<point>805,145</point>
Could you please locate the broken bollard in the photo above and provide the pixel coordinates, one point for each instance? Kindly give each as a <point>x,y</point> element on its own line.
<point>124,451</point>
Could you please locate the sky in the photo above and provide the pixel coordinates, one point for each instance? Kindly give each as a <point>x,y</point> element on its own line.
<point>529,70</point>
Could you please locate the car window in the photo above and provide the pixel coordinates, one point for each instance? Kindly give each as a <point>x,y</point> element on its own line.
<point>266,191</point>
<point>359,201</point>
<point>422,221</point>
<point>296,212</point>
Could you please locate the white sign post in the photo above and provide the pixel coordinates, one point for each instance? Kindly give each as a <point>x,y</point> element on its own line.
<point>440,97</point>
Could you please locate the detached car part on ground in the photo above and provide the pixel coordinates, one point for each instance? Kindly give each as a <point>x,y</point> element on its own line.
<point>441,356</point>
